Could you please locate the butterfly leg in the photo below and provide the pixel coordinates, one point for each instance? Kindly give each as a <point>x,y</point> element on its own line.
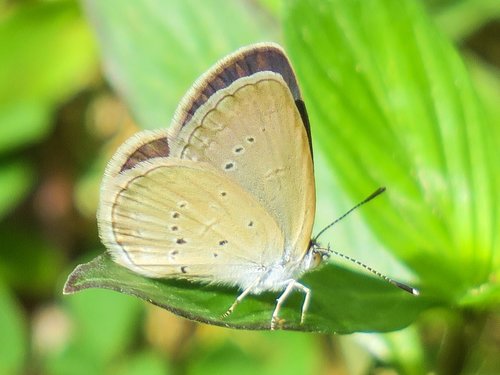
<point>241,297</point>
<point>280,301</point>
<point>292,284</point>
<point>307,300</point>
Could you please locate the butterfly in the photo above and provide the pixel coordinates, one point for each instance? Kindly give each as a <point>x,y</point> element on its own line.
<point>226,194</point>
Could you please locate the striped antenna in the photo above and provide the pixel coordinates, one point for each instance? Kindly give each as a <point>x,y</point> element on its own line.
<point>377,192</point>
<point>314,243</point>
<point>405,287</point>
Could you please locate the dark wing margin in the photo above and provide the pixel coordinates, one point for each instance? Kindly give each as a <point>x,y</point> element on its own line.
<point>301,106</point>
<point>242,63</point>
<point>153,149</point>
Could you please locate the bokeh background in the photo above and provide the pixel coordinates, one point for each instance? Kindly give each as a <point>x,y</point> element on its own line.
<point>66,105</point>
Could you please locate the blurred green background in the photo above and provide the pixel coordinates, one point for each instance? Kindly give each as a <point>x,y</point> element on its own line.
<point>391,103</point>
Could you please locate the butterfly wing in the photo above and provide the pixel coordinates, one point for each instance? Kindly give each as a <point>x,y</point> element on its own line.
<point>275,166</point>
<point>178,218</point>
<point>253,132</point>
<point>247,61</point>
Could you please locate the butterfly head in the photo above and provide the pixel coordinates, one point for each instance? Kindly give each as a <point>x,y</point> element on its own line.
<point>316,255</point>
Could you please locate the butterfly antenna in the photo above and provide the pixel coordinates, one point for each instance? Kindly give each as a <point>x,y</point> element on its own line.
<point>405,287</point>
<point>377,192</point>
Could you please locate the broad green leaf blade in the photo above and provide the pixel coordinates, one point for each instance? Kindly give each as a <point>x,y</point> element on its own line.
<point>153,50</point>
<point>47,53</point>
<point>459,19</point>
<point>391,104</point>
<point>97,311</point>
<point>269,353</point>
<point>343,301</point>
<point>14,343</point>
<point>149,362</point>
<point>87,350</point>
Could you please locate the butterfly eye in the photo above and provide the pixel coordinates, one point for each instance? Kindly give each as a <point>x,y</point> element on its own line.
<point>317,258</point>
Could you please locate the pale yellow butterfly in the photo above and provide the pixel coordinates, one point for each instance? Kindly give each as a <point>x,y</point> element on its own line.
<point>226,195</point>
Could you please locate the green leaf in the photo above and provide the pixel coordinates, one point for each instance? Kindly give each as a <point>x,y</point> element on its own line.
<point>391,104</point>
<point>89,351</point>
<point>271,355</point>
<point>147,362</point>
<point>154,50</point>
<point>47,54</point>
<point>343,301</point>
<point>95,312</point>
<point>14,342</point>
<point>458,19</point>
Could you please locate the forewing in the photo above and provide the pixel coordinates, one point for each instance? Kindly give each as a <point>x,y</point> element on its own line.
<point>178,218</point>
<point>245,62</point>
<point>253,132</point>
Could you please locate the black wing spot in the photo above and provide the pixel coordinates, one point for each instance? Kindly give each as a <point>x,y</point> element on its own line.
<point>175,214</point>
<point>216,255</point>
<point>184,269</point>
<point>229,165</point>
<point>250,139</point>
<point>223,193</point>
<point>222,242</point>
<point>173,228</point>
<point>182,204</point>
<point>250,223</point>
<point>181,241</point>
<point>238,149</point>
